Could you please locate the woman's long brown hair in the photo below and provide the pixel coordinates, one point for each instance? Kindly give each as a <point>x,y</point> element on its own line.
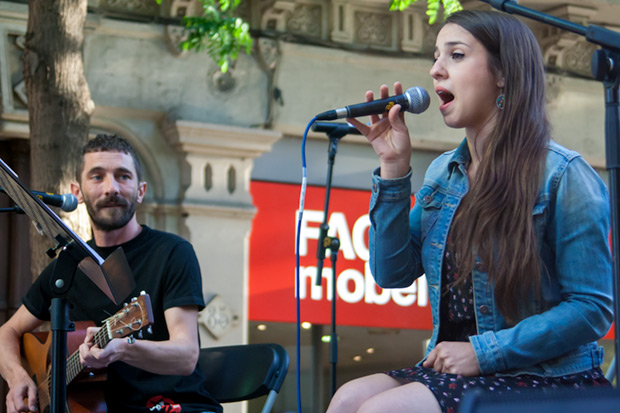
<point>495,218</point>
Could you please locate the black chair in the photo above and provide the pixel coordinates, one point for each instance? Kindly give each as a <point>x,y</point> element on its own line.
<point>244,372</point>
<point>563,400</point>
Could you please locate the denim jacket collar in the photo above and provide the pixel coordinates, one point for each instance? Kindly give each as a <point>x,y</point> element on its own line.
<point>460,158</point>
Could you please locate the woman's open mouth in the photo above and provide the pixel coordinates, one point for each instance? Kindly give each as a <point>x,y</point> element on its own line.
<point>446,98</point>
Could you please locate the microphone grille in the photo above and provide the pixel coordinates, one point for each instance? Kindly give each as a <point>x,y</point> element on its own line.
<point>419,100</point>
<point>69,202</point>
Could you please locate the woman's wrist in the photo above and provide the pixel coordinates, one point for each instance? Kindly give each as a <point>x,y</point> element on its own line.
<point>394,170</point>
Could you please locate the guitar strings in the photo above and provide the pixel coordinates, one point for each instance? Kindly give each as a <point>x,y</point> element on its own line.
<point>101,339</point>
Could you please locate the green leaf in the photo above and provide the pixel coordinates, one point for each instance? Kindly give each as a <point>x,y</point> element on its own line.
<point>218,31</point>
<point>432,7</point>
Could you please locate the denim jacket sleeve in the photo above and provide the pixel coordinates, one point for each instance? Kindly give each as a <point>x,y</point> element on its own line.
<point>577,260</point>
<point>394,246</point>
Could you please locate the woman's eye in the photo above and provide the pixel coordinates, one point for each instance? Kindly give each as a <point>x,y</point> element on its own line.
<point>457,55</point>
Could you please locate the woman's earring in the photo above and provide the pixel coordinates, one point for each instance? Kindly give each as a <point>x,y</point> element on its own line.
<point>501,99</point>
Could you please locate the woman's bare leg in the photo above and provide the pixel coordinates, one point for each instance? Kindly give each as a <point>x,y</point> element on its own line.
<point>351,395</point>
<point>411,397</point>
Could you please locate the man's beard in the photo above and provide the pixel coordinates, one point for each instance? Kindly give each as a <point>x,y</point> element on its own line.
<point>115,218</point>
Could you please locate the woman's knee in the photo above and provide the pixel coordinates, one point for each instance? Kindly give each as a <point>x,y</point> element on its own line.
<point>407,398</point>
<point>350,396</point>
<point>346,398</point>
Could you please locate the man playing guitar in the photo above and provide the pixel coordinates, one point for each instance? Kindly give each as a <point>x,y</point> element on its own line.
<point>160,372</point>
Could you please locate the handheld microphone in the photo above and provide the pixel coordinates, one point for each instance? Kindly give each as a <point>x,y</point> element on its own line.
<point>66,202</point>
<point>414,100</point>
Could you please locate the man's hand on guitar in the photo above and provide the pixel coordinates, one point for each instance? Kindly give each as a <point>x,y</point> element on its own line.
<point>22,396</point>
<point>92,356</point>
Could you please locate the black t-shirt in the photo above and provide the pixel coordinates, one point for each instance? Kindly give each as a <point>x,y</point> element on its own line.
<point>165,266</point>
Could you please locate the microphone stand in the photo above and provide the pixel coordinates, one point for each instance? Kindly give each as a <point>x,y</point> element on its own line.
<point>606,69</point>
<point>334,131</point>
<point>60,283</point>
<point>14,209</point>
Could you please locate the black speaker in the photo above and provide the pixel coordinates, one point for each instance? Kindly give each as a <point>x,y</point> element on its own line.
<point>585,400</point>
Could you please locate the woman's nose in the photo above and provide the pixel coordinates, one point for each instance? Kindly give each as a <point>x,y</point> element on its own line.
<point>437,70</point>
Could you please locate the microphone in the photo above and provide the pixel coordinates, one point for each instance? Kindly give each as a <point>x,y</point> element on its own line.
<point>331,127</point>
<point>414,100</point>
<point>66,202</point>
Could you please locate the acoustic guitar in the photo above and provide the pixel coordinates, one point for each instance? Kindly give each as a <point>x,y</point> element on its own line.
<point>86,394</point>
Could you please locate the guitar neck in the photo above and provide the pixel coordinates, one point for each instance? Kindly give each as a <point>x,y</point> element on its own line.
<point>74,366</point>
<point>134,316</point>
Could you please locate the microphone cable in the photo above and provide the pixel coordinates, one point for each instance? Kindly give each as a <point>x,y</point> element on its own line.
<point>302,201</point>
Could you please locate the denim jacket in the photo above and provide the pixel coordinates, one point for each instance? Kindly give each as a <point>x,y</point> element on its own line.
<point>557,334</point>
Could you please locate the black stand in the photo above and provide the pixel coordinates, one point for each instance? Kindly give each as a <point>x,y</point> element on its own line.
<point>334,131</point>
<point>605,68</point>
<point>60,326</point>
<point>60,283</point>
<point>14,209</point>
<point>333,338</point>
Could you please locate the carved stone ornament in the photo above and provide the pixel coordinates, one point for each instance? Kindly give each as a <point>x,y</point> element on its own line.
<point>222,82</point>
<point>143,7</point>
<point>306,19</point>
<point>19,87</point>
<point>567,51</point>
<point>577,59</point>
<point>373,29</point>
<point>20,91</point>
<point>372,25</point>
<point>176,34</point>
<point>277,16</point>
<point>570,53</point>
<point>268,53</point>
<point>217,317</point>
<point>20,42</point>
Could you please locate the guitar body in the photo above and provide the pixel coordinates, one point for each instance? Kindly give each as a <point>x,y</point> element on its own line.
<point>85,394</point>
<point>84,387</point>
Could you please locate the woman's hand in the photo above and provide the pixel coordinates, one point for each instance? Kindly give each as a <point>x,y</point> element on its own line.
<point>389,136</point>
<point>453,357</point>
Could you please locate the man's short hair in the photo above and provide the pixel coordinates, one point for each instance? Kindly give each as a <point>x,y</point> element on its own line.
<point>108,143</point>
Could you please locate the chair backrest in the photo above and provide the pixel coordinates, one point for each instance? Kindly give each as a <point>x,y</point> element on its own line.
<point>543,400</point>
<point>243,372</point>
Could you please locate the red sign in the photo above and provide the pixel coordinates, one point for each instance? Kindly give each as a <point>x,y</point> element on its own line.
<point>360,302</point>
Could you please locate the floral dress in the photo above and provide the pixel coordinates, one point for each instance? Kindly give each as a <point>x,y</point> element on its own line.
<point>457,323</point>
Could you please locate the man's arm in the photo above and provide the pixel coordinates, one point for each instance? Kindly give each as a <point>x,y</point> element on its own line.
<point>22,390</point>
<point>178,355</point>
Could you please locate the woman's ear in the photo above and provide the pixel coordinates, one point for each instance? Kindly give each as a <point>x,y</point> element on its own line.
<point>501,82</point>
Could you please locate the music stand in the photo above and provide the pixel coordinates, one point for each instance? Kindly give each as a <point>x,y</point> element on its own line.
<point>112,276</point>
